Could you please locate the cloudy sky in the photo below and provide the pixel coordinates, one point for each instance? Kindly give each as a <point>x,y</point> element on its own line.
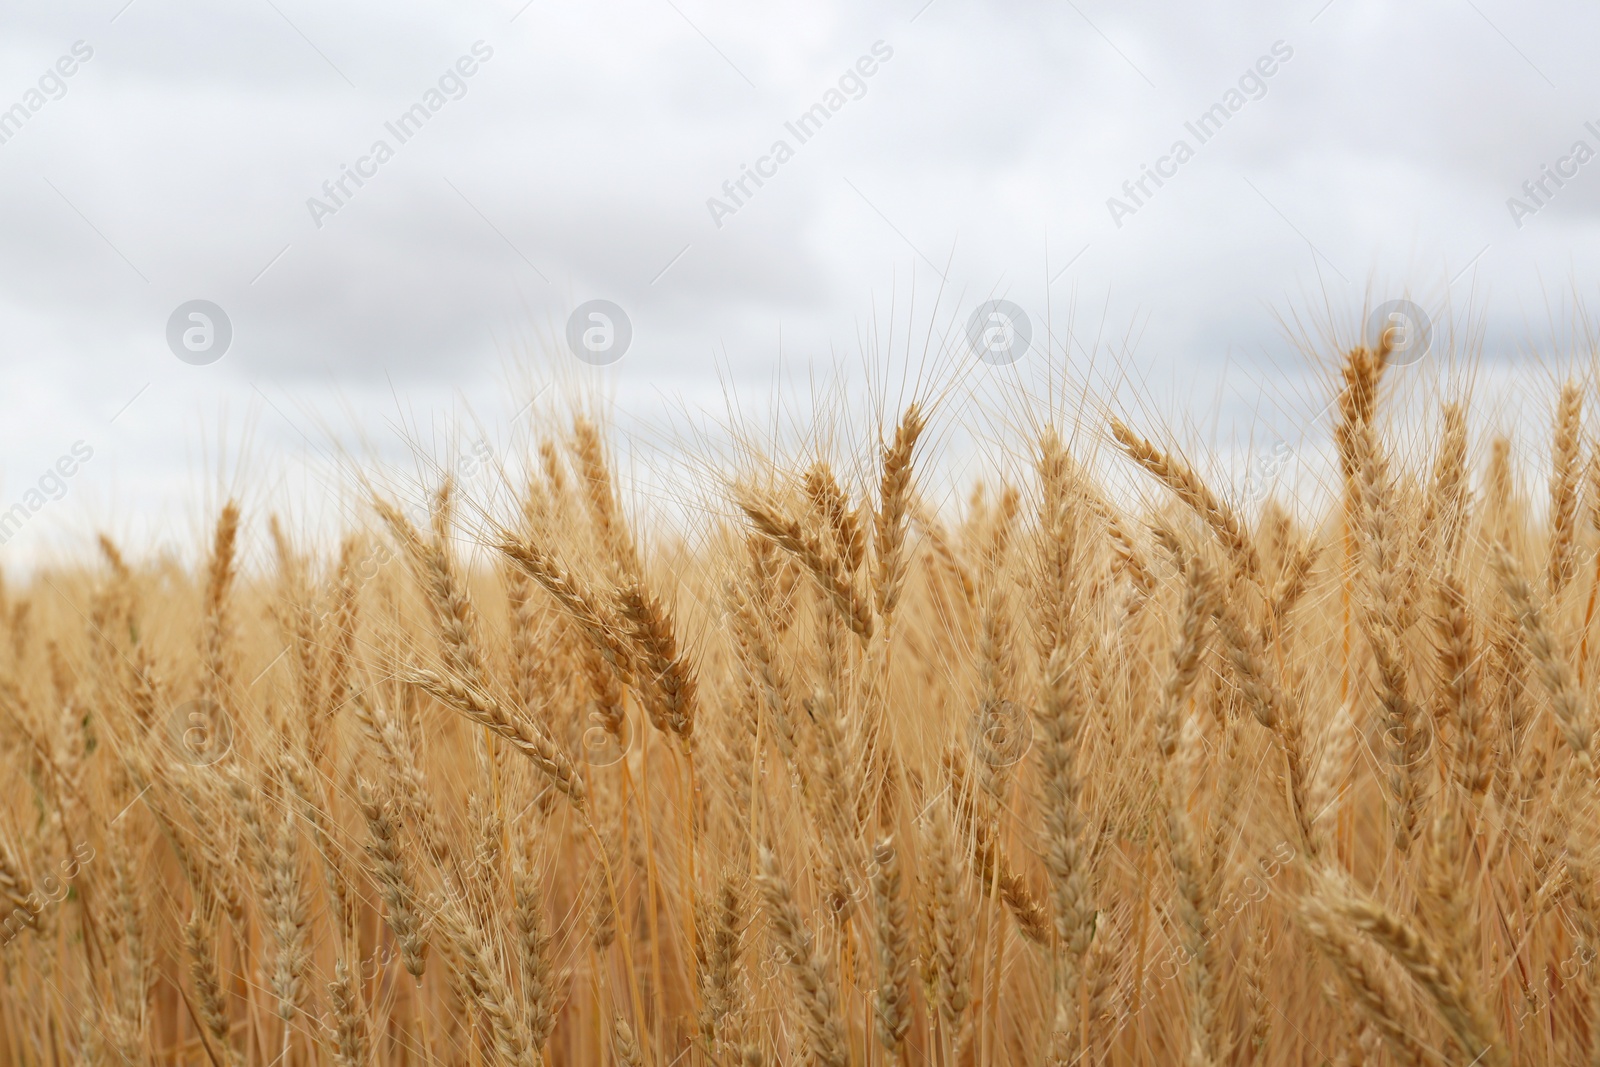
<point>969,152</point>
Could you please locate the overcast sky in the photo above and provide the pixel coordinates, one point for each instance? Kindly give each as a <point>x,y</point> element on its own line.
<point>1356,152</point>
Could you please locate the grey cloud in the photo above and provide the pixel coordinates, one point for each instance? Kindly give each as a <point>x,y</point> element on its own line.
<point>192,141</point>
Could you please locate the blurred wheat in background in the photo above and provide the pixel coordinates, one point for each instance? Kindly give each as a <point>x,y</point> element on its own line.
<point>843,778</point>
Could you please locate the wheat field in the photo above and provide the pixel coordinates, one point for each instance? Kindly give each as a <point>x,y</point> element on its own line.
<point>1058,776</point>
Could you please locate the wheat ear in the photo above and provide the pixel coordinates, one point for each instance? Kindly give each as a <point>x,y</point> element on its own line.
<point>825,567</point>
<point>527,738</point>
<point>1564,471</point>
<point>1567,700</point>
<point>1188,487</point>
<point>894,500</point>
<point>818,994</point>
<point>894,950</point>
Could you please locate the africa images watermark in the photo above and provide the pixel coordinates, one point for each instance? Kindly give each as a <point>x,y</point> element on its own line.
<point>50,890</point>
<point>478,459</point>
<point>199,332</point>
<point>452,85</point>
<point>52,485</point>
<point>599,332</point>
<point>1264,472</point>
<point>999,332</point>
<point>1401,327</point>
<point>52,85</point>
<point>853,82</point>
<point>1538,190</point>
<point>1252,85</point>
